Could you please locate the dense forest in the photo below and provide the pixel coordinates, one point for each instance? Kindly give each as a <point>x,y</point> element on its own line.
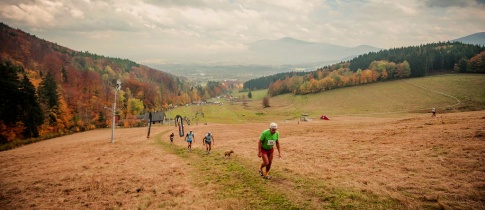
<point>48,90</point>
<point>384,65</point>
<point>263,82</point>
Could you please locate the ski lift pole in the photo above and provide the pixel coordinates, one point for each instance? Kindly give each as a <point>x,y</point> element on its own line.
<point>118,87</point>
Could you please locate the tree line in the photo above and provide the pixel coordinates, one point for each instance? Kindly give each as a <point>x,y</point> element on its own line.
<point>337,76</point>
<point>424,59</point>
<point>263,82</point>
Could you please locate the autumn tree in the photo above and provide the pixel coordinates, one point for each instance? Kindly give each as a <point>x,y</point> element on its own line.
<point>266,102</point>
<point>277,87</point>
<point>477,63</point>
<point>403,70</point>
<point>135,106</point>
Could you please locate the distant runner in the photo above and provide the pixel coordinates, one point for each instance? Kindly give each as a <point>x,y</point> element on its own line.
<point>433,110</point>
<point>189,138</point>
<point>208,140</point>
<point>267,140</point>
<point>171,138</point>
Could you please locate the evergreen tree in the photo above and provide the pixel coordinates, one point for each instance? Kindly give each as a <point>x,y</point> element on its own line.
<point>18,102</point>
<point>48,92</point>
<point>64,74</point>
<point>10,94</point>
<point>31,113</point>
<point>49,98</point>
<point>463,65</point>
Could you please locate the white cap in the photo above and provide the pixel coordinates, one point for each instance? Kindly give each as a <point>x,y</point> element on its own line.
<point>273,125</point>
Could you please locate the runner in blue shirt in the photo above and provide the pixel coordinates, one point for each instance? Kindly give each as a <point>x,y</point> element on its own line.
<point>189,137</point>
<point>208,141</point>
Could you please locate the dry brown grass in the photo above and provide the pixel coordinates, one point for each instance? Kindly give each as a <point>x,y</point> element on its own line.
<point>418,161</point>
<point>85,171</point>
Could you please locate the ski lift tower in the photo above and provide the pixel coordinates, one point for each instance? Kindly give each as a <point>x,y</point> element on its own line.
<point>113,111</point>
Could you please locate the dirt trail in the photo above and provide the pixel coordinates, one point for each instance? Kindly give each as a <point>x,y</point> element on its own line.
<point>418,160</point>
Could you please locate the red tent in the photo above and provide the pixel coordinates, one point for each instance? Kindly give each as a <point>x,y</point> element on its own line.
<point>323,117</point>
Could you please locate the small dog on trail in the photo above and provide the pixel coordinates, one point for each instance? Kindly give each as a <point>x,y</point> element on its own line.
<point>228,153</point>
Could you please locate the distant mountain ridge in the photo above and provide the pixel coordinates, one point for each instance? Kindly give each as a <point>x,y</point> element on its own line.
<point>266,57</point>
<point>476,38</point>
<point>291,51</point>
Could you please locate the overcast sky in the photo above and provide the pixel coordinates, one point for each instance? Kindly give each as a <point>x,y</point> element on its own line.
<point>192,30</point>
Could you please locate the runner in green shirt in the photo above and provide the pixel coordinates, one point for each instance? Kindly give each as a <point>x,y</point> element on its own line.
<point>267,140</point>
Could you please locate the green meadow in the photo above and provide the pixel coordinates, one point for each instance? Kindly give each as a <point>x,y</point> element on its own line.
<point>446,93</point>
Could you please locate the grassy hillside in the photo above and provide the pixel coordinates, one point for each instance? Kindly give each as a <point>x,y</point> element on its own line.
<point>391,162</point>
<point>447,93</point>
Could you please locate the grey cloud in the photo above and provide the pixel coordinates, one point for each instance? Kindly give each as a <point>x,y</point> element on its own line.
<point>177,3</point>
<point>453,3</point>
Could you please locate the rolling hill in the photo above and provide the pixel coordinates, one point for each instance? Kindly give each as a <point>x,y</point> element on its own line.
<point>290,51</point>
<point>446,93</point>
<point>72,87</point>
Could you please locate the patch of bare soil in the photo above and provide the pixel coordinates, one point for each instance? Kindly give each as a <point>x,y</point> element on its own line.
<point>418,160</point>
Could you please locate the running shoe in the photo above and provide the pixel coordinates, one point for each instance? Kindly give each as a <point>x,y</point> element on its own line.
<point>261,173</point>
<point>267,177</point>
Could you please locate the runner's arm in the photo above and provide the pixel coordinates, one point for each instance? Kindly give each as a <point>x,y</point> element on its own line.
<point>278,147</point>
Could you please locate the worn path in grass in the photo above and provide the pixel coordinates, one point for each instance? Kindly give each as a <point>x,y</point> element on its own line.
<point>411,161</point>
<point>236,179</point>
